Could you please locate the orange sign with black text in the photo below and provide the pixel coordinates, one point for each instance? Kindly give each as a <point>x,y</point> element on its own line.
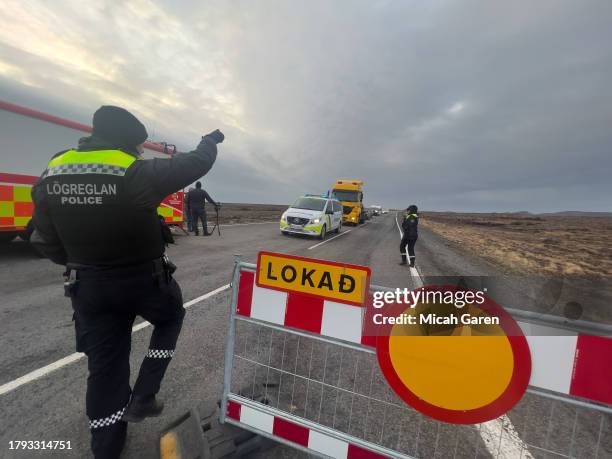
<point>340,282</point>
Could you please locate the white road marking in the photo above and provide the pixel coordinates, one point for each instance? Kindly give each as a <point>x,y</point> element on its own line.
<point>43,371</point>
<point>499,435</point>
<point>330,239</point>
<point>502,440</point>
<point>206,296</point>
<point>416,277</point>
<point>39,373</point>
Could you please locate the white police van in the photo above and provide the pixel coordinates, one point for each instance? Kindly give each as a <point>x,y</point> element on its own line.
<point>312,215</point>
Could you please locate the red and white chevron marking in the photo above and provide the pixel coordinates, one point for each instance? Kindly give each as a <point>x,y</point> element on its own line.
<point>577,365</point>
<point>297,434</point>
<point>308,313</point>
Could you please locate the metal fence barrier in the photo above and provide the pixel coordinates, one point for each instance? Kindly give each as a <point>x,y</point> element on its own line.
<point>327,397</point>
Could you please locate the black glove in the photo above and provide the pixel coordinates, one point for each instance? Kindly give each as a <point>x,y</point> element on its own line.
<point>216,136</point>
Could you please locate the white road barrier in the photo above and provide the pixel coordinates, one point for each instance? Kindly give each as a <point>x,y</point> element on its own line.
<point>325,395</point>
<point>309,406</point>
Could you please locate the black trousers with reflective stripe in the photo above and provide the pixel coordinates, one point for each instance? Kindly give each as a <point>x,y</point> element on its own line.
<point>105,307</point>
<point>410,243</point>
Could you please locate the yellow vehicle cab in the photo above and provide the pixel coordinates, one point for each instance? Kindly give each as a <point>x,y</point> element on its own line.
<point>350,194</point>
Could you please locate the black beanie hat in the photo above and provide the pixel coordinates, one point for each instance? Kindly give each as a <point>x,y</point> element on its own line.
<point>118,126</point>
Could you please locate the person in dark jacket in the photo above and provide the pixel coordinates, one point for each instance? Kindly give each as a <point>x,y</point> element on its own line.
<point>96,213</point>
<point>410,227</point>
<point>196,201</point>
<point>188,211</point>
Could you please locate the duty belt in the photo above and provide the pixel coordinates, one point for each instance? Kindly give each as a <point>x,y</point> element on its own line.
<point>160,268</point>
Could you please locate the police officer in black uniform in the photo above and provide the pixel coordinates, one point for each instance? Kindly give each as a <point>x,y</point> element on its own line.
<point>96,213</point>
<point>410,226</point>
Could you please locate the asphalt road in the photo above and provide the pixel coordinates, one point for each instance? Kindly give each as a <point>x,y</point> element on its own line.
<point>36,328</point>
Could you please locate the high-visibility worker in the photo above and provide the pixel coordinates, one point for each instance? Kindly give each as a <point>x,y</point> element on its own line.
<point>96,213</point>
<point>410,226</point>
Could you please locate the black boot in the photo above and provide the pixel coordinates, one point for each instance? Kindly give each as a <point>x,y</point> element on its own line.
<point>404,261</point>
<point>412,260</point>
<point>108,442</point>
<point>143,407</point>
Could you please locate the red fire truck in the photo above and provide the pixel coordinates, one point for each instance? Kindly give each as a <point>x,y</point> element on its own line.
<point>29,139</point>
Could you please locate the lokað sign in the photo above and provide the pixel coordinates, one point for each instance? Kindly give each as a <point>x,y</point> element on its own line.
<point>341,282</point>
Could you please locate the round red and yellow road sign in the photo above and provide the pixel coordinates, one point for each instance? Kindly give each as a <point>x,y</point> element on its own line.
<point>461,370</point>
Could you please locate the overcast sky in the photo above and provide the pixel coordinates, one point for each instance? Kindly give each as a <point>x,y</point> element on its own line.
<point>452,105</point>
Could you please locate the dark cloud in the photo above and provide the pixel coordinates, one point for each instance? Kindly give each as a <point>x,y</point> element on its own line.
<point>461,106</point>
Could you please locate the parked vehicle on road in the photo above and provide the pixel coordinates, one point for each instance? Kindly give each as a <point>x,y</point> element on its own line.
<point>350,194</point>
<point>312,215</point>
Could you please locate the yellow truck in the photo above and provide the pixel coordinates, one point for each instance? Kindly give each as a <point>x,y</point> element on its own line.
<point>350,194</point>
